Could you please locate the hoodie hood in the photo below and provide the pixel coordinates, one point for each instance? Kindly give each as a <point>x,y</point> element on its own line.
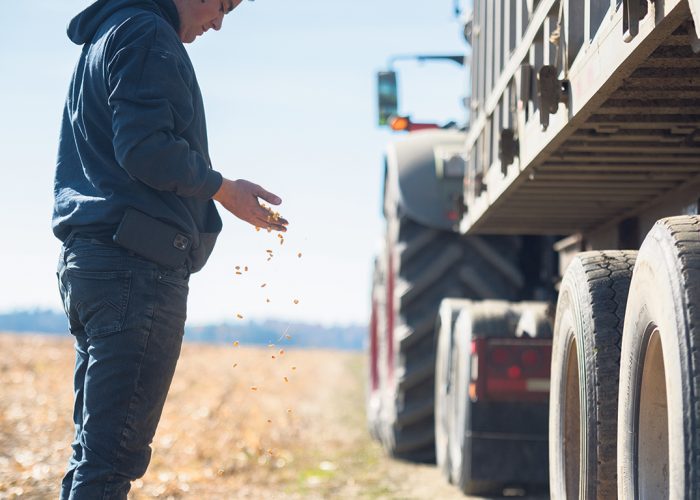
<point>83,27</point>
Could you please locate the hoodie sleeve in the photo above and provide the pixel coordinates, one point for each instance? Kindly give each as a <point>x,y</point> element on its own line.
<point>151,99</point>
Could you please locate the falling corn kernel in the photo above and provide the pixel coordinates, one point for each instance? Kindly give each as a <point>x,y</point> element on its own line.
<point>288,337</point>
<point>257,228</point>
<point>282,241</point>
<point>267,300</point>
<point>281,352</point>
<point>238,268</point>
<point>220,472</point>
<point>239,316</point>
<point>289,410</point>
<point>268,250</point>
<point>273,357</point>
<point>245,268</point>
<point>269,422</point>
<point>296,301</point>
<point>286,379</point>
<point>269,259</point>
<point>280,236</point>
<point>269,452</point>
<point>235,344</point>
<point>239,273</point>
<point>253,388</point>
<point>294,367</point>
<point>235,365</point>
<point>263,285</point>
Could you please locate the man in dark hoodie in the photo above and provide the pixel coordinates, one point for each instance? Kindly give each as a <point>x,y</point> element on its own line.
<point>133,206</point>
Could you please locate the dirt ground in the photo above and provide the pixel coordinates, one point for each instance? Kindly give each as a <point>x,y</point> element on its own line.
<point>303,437</point>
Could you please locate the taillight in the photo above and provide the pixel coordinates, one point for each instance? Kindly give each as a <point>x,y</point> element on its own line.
<point>510,369</point>
<point>530,357</point>
<point>500,356</point>
<point>514,372</point>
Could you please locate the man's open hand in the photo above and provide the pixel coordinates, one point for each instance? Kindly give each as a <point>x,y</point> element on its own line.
<point>240,197</point>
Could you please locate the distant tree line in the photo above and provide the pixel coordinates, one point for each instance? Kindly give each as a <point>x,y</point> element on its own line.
<point>299,335</point>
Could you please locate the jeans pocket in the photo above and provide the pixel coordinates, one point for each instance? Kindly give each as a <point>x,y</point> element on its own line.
<point>99,299</point>
<point>179,277</point>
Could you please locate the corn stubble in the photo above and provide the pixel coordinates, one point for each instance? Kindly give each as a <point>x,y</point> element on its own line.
<point>214,440</point>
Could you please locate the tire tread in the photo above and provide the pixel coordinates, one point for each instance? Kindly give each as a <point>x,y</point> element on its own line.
<point>428,269</point>
<point>684,234</point>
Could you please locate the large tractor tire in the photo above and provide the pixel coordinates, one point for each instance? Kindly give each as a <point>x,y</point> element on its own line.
<point>584,377</point>
<point>424,266</point>
<point>658,447</point>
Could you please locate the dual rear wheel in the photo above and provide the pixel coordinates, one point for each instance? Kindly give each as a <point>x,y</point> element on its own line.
<point>625,400</point>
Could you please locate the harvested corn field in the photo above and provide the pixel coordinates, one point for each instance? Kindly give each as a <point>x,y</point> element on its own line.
<point>300,434</point>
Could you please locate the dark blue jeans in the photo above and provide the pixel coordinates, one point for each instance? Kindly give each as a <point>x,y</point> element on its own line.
<point>127,315</point>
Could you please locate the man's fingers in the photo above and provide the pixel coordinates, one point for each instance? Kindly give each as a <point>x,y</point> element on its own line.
<point>269,215</point>
<point>273,218</point>
<point>276,225</point>
<point>269,197</point>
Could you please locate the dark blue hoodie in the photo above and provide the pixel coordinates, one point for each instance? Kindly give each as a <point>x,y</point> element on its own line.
<point>134,131</point>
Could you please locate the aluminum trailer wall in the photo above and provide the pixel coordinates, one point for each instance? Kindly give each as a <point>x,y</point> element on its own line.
<point>624,143</point>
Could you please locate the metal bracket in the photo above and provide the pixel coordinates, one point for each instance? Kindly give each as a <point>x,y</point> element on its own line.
<point>508,149</point>
<point>632,12</point>
<point>525,85</point>
<point>479,184</point>
<point>550,91</point>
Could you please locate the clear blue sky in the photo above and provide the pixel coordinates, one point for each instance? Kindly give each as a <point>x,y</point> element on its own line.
<point>289,91</point>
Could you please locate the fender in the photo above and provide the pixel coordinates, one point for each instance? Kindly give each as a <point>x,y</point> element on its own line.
<point>423,177</point>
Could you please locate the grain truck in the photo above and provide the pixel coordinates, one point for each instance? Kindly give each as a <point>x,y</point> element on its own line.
<point>583,143</point>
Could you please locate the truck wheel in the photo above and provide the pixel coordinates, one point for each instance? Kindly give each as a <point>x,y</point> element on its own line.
<point>584,380</point>
<point>658,447</point>
<point>482,319</point>
<point>424,266</point>
<point>444,384</point>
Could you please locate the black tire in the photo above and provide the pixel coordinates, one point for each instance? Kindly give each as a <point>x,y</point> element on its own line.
<point>444,384</point>
<point>424,266</point>
<point>483,319</point>
<point>658,450</point>
<point>584,378</point>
